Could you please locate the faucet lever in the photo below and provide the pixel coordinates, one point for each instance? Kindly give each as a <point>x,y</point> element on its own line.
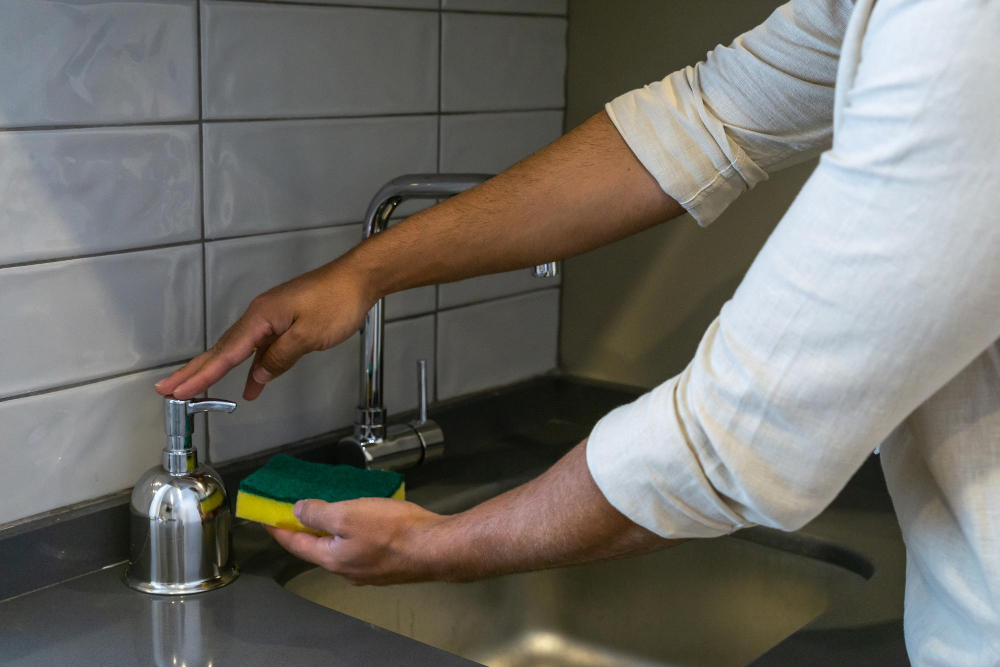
<point>547,270</point>
<point>422,389</point>
<point>210,405</point>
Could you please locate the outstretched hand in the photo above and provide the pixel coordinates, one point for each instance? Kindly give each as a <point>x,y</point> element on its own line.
<point>315,311</point>
<point>376,541</point>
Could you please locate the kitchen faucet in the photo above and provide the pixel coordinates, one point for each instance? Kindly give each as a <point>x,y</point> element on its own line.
<point>374,444</point>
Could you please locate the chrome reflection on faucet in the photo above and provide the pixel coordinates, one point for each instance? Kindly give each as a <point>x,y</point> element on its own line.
<point>180,518</point>
<point>374,444</point>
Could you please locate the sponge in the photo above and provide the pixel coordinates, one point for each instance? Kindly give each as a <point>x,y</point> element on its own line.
<point>269,495</point>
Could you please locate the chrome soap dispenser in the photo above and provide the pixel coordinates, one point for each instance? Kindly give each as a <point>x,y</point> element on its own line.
<point>180,517</point>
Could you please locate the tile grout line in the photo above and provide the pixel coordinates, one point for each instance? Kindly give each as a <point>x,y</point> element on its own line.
<point>107,253</point>
<point>268,119</point>
<point>350,5</point>
<point>201,208</point>
<point>84,383</point>
<point>562,281</point>
<point>178,244</point>
<point>437,288</point>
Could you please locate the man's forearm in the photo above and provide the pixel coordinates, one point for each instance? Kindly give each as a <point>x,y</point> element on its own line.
<point>583,191</point>
<point>560,518</point>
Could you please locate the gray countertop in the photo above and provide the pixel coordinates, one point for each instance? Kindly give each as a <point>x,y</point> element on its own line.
<point>494,442</point>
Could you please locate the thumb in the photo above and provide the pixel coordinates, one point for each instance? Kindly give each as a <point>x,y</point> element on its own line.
<point>320,515</point>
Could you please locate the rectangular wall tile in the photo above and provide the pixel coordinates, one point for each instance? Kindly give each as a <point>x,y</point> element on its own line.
<point>82,319</point>
<point>496,343</point>
<point>482,288</point>
<point>406,342</point>
<point>77,192</point>
<point>411,302</point>
<point>515,6</point>
<point>72,445</point>
<point>274,175</point>
<point>495,63</point>
<point>267,61</point>
<point>319,394</point>
<point>76,62</point>
<point>491,142</point>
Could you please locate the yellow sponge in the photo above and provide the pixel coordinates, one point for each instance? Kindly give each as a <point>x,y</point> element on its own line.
<point>269,495</point>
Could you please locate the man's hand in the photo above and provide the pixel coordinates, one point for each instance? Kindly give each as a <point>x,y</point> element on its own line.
<point>558,519</point>
<point>372,540</point>
<point>315,311</point>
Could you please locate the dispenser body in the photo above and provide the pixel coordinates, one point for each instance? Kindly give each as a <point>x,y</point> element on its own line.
<point>180,534</point>
<point>181,538</point>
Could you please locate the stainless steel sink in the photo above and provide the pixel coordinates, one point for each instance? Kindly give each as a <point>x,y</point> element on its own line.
<point>710,602</point>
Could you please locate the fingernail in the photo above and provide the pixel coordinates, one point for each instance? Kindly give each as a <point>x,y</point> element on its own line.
<point>157,385</point>
<point>297,510</point>
<point>260,374</point>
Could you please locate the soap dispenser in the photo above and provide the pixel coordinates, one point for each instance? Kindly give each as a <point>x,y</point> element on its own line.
<point>180,517</point>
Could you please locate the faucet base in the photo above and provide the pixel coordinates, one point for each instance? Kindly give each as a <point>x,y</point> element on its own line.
<point>404,446</point>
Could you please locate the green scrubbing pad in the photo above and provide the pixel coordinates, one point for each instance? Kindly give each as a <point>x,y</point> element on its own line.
<point>269,495</point>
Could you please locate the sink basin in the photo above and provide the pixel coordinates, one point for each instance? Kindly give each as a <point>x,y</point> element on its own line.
<point>710,602</point>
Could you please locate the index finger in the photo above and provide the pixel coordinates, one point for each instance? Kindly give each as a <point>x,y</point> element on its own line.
<point>233,348</point>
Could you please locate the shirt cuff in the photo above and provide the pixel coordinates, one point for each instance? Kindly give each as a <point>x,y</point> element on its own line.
<point>641,462</point>
<point>684,146</point>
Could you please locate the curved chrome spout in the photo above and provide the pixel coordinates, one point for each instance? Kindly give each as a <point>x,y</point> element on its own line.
<point>370,422</point>
<point>415,186</point>
<point>374,444</point>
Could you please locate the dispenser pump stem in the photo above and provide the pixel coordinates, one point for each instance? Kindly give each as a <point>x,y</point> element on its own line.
<point>179,456</point>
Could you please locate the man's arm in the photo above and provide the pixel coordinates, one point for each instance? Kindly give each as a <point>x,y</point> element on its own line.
<point>558,519</point>
<point>583,191</point>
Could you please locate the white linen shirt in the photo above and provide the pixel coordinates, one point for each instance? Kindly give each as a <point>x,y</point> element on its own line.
<point>871,316</point>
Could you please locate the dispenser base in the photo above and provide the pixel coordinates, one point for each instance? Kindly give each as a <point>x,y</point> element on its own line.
<point>187,588</point>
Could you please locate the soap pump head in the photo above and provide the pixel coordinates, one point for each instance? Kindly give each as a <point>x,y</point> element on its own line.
<point>180,456</point>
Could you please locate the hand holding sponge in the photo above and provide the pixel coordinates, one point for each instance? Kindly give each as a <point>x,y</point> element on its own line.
<point>269,495</point>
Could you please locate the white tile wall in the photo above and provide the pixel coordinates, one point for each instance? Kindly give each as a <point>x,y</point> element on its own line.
<point>515,6</point>
<point>496,343</point>
<point>80,62</point>
<point>77,192</point>
<point>493,63</point>
<point>82,319</point>
<point>343,61</point>
<point>68,446</point>
<point>307,110</point>
<point>271,176</point>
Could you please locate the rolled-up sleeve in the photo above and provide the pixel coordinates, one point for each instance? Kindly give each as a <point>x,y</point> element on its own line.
<point>709,132</point>
<point>879,285</point>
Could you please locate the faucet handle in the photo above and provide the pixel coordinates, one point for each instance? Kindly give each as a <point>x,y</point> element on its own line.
<point>210,405</point>
<point>422,389</point>
<point>548,270</point>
